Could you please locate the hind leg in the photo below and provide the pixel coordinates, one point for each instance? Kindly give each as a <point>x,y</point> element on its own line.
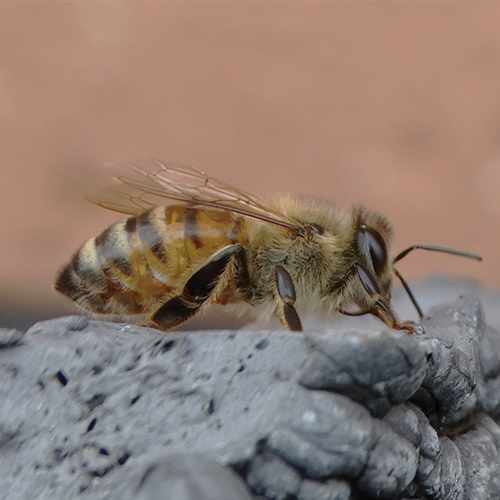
<point>199,288</point>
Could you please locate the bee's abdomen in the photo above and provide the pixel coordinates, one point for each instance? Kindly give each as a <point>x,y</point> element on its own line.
<point>82,280</point>
<point>101,277</point>
<point>139,261</point>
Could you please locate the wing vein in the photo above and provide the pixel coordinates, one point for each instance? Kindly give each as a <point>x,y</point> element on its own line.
<point>148,183</point>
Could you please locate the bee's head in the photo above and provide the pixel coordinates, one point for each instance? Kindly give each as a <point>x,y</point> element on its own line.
<point>371,270</point>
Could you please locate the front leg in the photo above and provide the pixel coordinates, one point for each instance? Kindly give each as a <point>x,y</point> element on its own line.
<point>286,294</point>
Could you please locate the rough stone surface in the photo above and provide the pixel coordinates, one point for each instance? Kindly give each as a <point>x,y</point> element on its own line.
<point>109,411</point>
<point>186,477</point>
<point>329,490</point>
<point>9,337</point>
<point>378,369</point>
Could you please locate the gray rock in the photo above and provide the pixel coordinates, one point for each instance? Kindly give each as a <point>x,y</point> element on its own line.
<point>491,401</point>
<point>9,337</point>
<point>378,369</point>
<point>104,411</point>
<point>322,434</point>
<point>454,381</point>
<point>273,478</point>
<point>480,451</point>
<point>329,490</point>
<point>391,466</point>
<point>429,445</point>
<point>187,477</point>
<point>442,477</point>
<point>103,399</point>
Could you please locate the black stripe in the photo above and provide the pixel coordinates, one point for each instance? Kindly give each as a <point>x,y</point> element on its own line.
<point>103,237</point>
<point>111,253</point>
<point>131,225</point>
<point>149,236</point>
<point>124,266</point>
<point>68,283</point>
<point>191,226</point>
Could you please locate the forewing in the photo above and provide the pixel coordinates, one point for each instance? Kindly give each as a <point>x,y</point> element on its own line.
<point>147,183</point>
<point>125,199</point>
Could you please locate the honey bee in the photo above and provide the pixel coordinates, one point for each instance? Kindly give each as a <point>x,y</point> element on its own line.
<point>221,245</point>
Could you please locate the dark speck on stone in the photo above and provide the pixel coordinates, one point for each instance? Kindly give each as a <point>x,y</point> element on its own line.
<point>262,344</point>
<point>91,425</point>
<point>95,401</point>
<point>62,378</point>
<point>168,346</point>
<point>96,370</point>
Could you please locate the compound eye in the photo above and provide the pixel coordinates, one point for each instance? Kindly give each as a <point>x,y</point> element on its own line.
<point>371,243</point>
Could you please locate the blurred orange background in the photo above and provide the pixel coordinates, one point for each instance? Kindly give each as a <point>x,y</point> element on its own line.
<point>395,105</point>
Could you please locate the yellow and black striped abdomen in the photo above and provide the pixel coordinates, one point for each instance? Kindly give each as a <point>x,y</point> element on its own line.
<point>136,264</point>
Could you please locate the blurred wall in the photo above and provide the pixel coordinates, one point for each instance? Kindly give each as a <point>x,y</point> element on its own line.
<point>395,105</point>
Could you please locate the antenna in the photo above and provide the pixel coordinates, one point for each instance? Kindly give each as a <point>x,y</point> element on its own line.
<point>432,248</point>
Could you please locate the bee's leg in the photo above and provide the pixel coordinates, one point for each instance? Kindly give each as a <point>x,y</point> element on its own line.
<point>286,292</point>
<point>198,288</point>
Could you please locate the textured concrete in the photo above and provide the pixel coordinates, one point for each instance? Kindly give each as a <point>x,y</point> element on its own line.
<point>111,411</point>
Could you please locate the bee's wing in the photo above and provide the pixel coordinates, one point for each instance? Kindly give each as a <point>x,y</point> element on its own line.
<point>124,199</point>
<point>147,183</point>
